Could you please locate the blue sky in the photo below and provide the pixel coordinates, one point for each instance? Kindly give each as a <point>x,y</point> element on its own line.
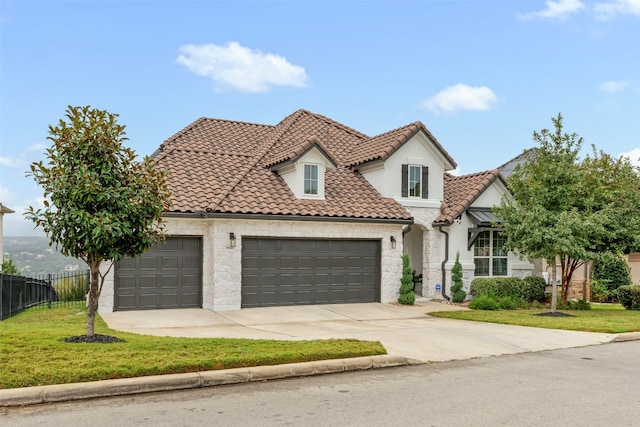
<point>481,75</point>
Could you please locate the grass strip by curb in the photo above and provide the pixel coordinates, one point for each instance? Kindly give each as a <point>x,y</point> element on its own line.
<point>33,352</point>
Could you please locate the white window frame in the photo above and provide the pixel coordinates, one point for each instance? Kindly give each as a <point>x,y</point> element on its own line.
<point>491,255</point>
<point>305,180</point>
<point>411,190</point>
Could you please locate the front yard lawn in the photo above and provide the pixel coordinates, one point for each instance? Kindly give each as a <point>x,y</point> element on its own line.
<point>608,318</point>
<point>32,351</point>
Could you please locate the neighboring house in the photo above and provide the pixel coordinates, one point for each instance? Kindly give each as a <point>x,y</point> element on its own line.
<point>3,210</point>
<point>309,211</point>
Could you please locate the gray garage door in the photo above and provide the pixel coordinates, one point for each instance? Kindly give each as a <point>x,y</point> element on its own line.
<point>168,275</point>
<point>278,272</point>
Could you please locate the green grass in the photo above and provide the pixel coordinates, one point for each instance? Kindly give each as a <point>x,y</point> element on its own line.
<point>608,318</point>
<point>32,351</point>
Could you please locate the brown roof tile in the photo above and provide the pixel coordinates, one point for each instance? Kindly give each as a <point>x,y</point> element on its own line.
<point>461,191</point>
<point>380,147</point>
<point>224,166</point>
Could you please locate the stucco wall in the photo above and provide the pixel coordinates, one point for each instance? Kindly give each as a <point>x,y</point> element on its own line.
<point>387,178</point>
<point>222,269</point>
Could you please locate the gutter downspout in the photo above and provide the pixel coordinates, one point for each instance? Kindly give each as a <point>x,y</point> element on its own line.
<point>444,262</point>
<point>405,231</point>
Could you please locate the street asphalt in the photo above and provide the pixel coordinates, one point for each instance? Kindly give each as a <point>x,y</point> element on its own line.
<point>408,333</point>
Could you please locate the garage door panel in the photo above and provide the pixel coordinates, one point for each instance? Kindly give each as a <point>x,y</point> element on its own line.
<point>308,271</point>
<point>167,275</point>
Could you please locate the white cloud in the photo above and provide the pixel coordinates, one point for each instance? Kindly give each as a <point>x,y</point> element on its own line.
<point>611,9</point>
<point>461,97</point>
<point>9,162</point>
<point>633,155</point>
<point>613,86</point>
<point>240,68</point>
<point>554,10</point>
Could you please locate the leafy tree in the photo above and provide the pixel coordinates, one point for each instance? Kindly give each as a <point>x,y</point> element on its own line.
<point>9,267</point>
<point>407,296</point>
<point>457,293</point>
<point>101,205</point>
<point>612,272</point>
<point>570,210</point>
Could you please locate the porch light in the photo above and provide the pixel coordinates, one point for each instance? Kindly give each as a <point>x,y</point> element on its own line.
<point>232,240</point>
<point>393,242</point>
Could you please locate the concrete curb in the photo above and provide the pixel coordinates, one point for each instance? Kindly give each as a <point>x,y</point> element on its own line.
<point>90,390</point>
<point>627,336</point>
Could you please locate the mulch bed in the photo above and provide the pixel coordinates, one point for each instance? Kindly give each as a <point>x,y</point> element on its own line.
<point>556,314</point>
<point>97,338</point>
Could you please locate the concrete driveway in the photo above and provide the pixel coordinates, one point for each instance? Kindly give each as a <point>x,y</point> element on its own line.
<point>406,331</point>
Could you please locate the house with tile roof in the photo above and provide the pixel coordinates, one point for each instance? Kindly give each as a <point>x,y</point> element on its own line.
<point>309,211</point>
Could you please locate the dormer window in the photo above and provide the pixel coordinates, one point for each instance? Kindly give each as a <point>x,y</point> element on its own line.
<point>310,180</point>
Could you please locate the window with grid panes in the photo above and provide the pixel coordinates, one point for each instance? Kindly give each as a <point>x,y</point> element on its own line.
<point>489,254</point>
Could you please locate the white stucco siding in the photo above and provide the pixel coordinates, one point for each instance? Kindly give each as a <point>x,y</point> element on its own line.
<point>294,174</point>
<point>222,269</point>
<point>491,196</point>
<point>387,178</point>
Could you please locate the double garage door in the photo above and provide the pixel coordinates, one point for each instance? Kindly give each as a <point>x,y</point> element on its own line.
<point>167,275</point>
<point>275,272</point>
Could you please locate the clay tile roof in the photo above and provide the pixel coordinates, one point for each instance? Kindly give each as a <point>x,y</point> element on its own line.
<point>223,166</point>
<point>298,151</point>
<point>461,191</point>
<point>380,147</point>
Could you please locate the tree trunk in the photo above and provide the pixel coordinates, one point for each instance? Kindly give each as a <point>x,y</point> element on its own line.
<point>92,305</point>
<point>554,288</point>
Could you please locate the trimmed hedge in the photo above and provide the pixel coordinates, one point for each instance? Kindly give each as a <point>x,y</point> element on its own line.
<point>529,289</point>
<point>629,296</point>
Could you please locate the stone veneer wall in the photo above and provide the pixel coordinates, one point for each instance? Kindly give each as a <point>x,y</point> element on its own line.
<point>222,271</point>
<point>432,248</point>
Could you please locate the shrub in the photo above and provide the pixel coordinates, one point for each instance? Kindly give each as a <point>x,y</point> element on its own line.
<point>533,289</point>
<point>71,288</point>
<point>580,305</point>
<point>612,272</point>
<point>483,286</point>
<point>507,303</point>
<point>484,302</point>
<point>9,267</point>
<point>509,286</point>
<point>459,295</point>
<point>600,293</point>
<point>407,296</point>
<point>629,296</point>
<point>529,289</point>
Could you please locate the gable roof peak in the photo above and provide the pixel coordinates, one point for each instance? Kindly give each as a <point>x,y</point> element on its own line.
<point>461,191</point>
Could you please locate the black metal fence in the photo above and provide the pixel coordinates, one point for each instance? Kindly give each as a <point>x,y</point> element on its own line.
<point>17,293</point>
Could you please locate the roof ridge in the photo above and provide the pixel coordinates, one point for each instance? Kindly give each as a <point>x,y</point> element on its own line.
<point>169,142</point>
<point>268,144</point>
<point>335,123</point>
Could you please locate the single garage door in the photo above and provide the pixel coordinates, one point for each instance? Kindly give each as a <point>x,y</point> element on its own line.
<point>278,272</point>
<point>167,275</point>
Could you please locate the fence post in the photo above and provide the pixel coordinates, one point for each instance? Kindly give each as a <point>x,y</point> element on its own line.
<point>49,291</point>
